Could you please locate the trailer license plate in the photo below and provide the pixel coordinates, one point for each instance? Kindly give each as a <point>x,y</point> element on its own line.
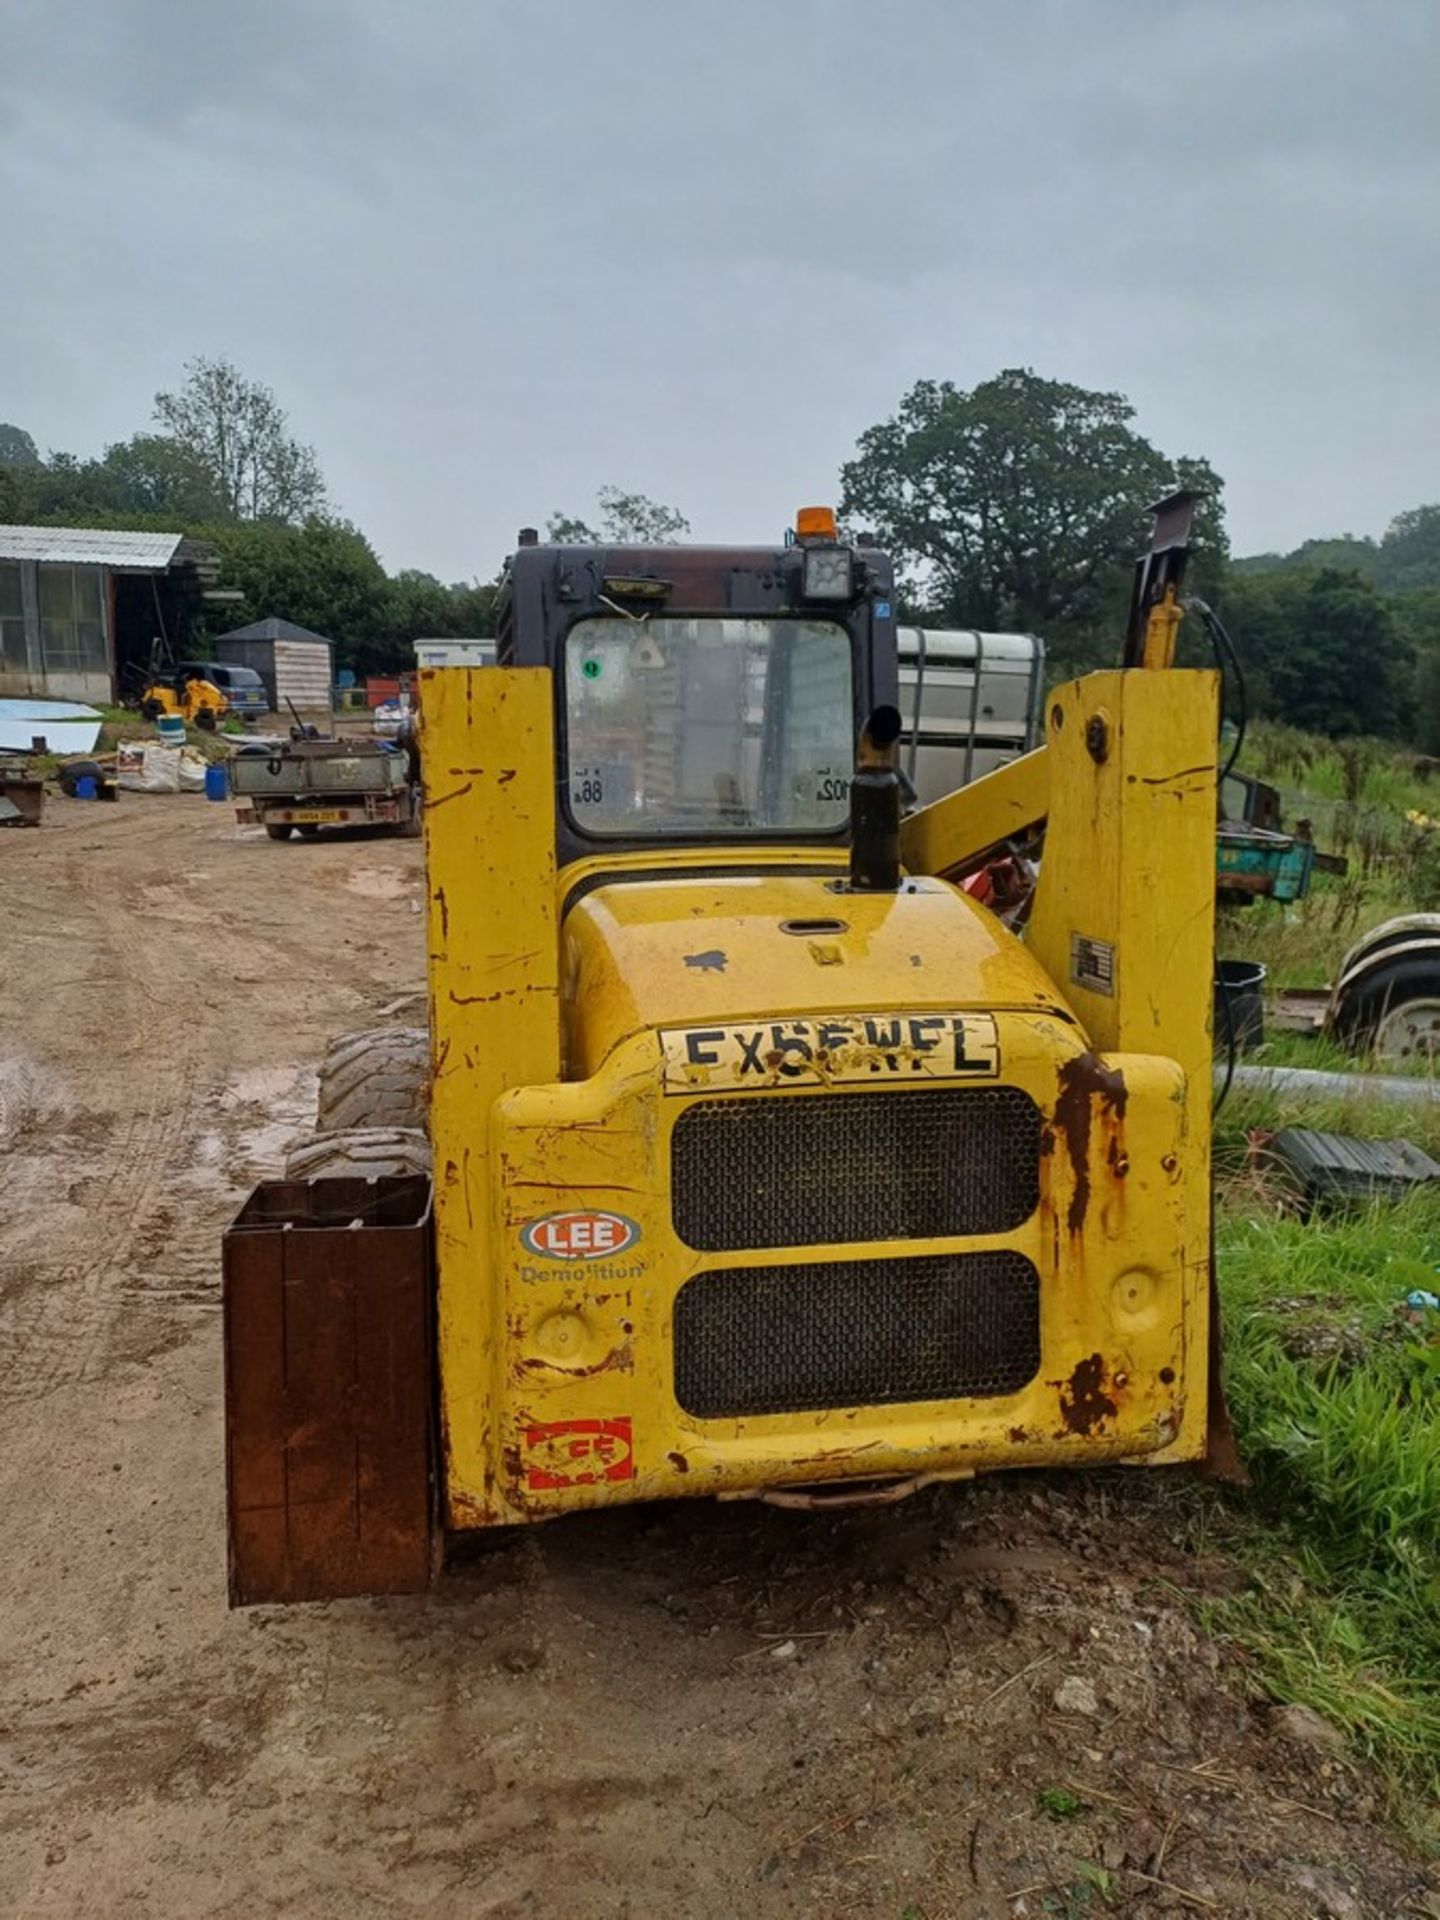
<point>317,816</point>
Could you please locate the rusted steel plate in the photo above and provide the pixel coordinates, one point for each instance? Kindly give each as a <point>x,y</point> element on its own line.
<point>328,1309</point>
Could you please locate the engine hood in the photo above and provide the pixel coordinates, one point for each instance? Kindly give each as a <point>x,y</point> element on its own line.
<point>641,954</point>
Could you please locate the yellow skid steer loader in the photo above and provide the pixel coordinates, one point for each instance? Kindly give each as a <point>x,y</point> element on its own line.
<point>745,1154</point>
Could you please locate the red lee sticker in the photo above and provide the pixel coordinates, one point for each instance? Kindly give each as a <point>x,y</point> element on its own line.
<point>585,1234</point>
<point>577,1453</point>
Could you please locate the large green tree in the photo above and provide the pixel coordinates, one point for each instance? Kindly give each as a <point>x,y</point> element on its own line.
<point>236,432</point>
<point>1021,505</point>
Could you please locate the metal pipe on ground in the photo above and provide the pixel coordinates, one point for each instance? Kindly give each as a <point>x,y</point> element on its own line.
<point>1335,1086</point>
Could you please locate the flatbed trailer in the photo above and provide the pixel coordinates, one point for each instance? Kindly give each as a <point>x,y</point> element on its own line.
<point>304,785</point>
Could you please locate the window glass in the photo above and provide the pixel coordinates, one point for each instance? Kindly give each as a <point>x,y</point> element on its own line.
<point>708,726</point>
<point>72,621</point>
<point>12,619</point>
<point>89,596</point>
<point>90,645</point>
<point>57,593</point>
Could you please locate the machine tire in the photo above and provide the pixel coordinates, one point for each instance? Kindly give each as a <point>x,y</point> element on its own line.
<point>359,1153</point>
<point>376,1077</point>
<point>206,719</point>
<point>1390,968</point>
<point>74,772</point>
<point>277,832</point>
<point>151,709</point>
<point>1363,1008</point>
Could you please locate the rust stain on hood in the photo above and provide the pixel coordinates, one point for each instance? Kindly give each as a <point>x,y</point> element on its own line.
<point>1084,1403</point>
<point>1084,1080</point>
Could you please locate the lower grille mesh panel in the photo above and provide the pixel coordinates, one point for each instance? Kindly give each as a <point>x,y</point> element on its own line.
<point>783,1170</point>
<point>850,1333</point>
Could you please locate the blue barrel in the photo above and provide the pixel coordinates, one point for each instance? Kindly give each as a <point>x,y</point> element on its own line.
<point>85,787</point>
<point>171,729</point>
<point>217,781</point>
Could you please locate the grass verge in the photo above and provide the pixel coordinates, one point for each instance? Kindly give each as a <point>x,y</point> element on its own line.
<point>1334,1387</point>
<point>1335,1390</point>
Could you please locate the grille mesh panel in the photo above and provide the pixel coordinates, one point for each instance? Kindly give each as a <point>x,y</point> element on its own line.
<point>781,1170</point>
<point>852,1333</point>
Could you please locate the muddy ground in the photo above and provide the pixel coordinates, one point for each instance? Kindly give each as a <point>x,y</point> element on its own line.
<point>696,1711</point>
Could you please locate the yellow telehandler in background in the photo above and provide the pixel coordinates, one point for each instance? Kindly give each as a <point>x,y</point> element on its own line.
<point>745,1154</point>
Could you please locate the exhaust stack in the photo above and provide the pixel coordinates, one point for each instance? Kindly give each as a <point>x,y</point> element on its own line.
<point>875,806</point>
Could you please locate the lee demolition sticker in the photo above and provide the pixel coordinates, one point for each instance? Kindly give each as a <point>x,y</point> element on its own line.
<point>843,1049</point>
<point>586,1233</point>
<point>577,1453</point>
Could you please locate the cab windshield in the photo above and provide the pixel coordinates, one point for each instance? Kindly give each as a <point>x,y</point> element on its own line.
<point>708,726</point>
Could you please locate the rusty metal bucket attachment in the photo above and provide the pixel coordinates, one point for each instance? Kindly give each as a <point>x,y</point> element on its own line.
<point>329,1395</point>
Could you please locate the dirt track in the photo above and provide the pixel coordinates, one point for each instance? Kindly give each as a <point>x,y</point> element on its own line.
<point>698,1711</point>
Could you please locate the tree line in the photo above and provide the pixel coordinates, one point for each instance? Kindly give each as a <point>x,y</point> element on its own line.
<point>1019,504</point>
<point>221,464</point>
<point>1342,636</point>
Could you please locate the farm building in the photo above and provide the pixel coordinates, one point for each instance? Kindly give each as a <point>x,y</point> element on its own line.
<point>295,664</point>
<point>80,607</point>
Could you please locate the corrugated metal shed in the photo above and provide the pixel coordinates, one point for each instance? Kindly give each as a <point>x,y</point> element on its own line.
<point>89,547</point>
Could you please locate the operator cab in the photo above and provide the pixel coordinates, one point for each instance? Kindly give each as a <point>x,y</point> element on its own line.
<point>707,697</point>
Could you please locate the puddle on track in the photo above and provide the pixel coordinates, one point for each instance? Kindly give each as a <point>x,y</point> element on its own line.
<point>264,1111</point>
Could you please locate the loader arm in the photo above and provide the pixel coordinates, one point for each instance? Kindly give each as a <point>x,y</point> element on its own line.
<point>956,831</point>
<point>1123,919</point>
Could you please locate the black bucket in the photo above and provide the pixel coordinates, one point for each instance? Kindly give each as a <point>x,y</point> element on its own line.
<point>1239,1005</point>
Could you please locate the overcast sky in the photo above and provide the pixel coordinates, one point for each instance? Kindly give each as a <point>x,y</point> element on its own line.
<point>493,255</point>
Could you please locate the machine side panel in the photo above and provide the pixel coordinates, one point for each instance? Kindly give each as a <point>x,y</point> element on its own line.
<point>1124,915</point>
<point>489,761</point>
